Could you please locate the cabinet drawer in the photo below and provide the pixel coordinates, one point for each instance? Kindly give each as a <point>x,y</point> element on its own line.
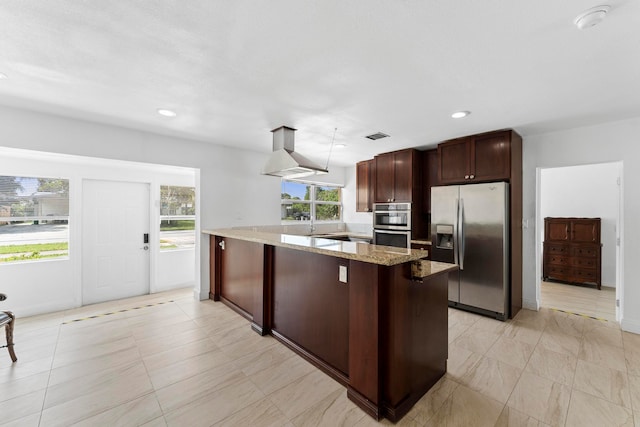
<point>584,262</point>
<point>585,251</point>
<point>585,275</point>
<point>557,249</point>
<point>559,271</point>
<point>558,259</point>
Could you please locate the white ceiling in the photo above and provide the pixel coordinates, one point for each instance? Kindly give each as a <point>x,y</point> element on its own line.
<point>234,70</point>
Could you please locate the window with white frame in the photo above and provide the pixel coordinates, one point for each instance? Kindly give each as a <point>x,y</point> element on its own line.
<point>177,217</point>
<point>302,201</point>
<point>34,218</point>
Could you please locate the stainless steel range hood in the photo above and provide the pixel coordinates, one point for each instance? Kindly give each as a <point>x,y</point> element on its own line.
<point>284,161</point>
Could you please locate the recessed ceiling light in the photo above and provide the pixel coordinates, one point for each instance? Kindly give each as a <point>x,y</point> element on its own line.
<point>460,114</point>
<point>591,17</point>
<point>166,113</point>
<point>340,145</point>
<point>3,76</point>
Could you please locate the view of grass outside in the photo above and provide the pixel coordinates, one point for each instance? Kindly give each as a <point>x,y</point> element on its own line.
<point>34,218</point>
<point>177,217</point>
<point>11,253</point>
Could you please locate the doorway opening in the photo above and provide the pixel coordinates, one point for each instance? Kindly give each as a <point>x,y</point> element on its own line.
<point>585,191</point>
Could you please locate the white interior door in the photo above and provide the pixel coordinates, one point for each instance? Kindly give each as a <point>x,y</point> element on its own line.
<point>115,259</point>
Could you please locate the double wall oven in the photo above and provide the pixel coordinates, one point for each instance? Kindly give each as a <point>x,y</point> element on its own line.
<point>392,224</point>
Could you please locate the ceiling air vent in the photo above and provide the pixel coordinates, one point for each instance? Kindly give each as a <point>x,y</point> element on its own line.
<point>378,135</point>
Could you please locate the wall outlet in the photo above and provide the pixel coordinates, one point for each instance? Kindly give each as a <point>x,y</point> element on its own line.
<point>342,273</point>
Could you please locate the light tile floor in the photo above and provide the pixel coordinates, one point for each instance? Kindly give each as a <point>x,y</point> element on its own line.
<point>180,362</point>
<point>579,299</point>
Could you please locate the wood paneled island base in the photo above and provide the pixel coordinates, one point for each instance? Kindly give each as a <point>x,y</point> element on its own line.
<point>382,333</point>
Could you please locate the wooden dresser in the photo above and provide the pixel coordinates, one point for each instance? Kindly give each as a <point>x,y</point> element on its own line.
<point>572,250</point>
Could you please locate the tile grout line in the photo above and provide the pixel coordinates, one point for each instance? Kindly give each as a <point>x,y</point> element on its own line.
<point>46,390</point>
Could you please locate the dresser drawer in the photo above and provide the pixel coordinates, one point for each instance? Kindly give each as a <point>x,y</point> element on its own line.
<point>585,251</point>
<point>554,249</point>
<point>558,271</point>
<point>584,262</point>
<point>558,259</point>
<point>585,275</point>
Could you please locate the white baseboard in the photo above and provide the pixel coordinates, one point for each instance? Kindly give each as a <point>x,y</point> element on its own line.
<point>630,326</point>
<point>530,304</point>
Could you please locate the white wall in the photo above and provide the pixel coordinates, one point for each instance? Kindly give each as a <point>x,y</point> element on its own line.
<point>41,286</point>
<point>349,200</point>
<point>232,192</point>
<point>602,143</point>
<point>585,191</point>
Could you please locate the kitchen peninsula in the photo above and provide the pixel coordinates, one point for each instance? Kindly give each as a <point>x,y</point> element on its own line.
<point>372,317</point>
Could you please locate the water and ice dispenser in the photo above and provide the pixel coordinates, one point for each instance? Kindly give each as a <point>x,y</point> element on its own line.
<point>444,236</point>
<point>442,249</point>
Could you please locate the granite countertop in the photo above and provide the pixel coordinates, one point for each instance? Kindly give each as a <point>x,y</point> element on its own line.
<point>374,254</point>
<point>423,268</point>
<point>421,241</point>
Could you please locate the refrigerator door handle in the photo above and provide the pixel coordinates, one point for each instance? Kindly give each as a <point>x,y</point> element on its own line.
<point>461,237</point>
<point>455,234</point>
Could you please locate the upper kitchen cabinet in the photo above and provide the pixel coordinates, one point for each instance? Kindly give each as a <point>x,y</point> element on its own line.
<point>397,176</point>
<point>365,177</point>
<point>476,158</point>
<point>429,176</point>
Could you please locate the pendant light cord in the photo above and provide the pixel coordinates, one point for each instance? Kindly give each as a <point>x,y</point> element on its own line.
<point>331,147</point>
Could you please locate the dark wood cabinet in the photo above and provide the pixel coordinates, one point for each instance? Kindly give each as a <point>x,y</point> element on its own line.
<point>453,161</point>
<point>237,273</point>
<point>365,177</point>
<point>477,158</point>
<point>572,250</point>
<point>381,331</point>
<point>384,180</point>
<point>397,177</point>
<point>429,177</point>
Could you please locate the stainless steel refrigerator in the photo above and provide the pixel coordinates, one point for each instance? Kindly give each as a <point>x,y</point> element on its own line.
<point>470,227</point>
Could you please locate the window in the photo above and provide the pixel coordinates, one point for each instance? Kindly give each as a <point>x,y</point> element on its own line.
<point>177,217</point>
<point>34,218</point>
<point>303,201</point>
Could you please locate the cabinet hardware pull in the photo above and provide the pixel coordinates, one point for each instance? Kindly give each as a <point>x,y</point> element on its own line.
<point>471,176</point>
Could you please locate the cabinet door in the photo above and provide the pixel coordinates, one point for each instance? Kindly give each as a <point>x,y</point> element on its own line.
<point>372,184</point>
<point>403,176</point>
<point>363,186</point>
<point>241,275</point>
<point>430,176</point>
<point>585,231</point>
<point>385,171</point>
<point>491,157</point>
<point>556,229</point>
<point>453,161</point>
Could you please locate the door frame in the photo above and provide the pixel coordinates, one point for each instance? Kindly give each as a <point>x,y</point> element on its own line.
<point>539,225</point>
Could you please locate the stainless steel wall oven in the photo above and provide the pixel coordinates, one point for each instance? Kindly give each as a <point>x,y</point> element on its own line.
<point>392,224</point>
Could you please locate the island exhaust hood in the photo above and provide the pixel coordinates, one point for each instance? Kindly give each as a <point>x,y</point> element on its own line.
<point>284,161</point>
